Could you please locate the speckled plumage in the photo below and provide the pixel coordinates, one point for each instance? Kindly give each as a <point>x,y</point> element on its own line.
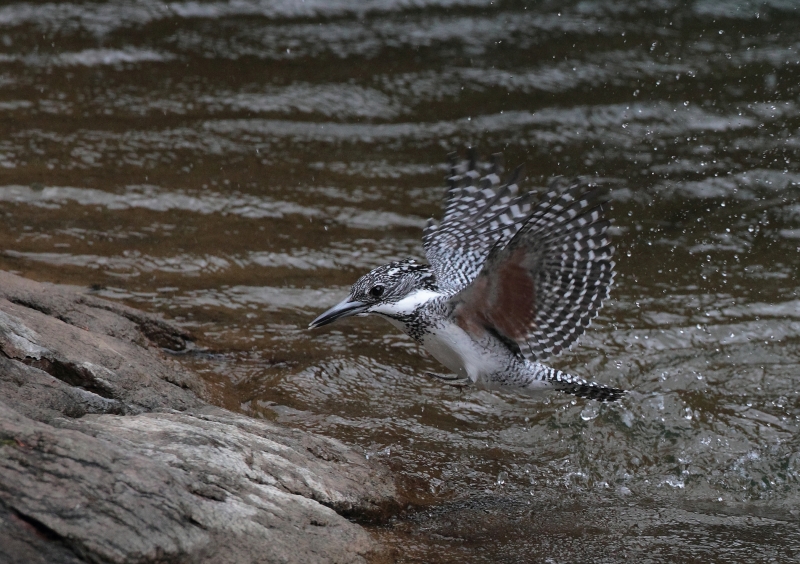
<point>512,279</point>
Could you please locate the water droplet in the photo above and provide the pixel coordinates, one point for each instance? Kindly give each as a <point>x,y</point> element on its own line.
<point>674,482</point>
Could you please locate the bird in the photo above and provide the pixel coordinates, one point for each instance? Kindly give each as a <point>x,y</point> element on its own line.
<point>511,279</point>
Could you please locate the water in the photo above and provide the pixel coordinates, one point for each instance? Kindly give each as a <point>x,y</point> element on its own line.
<point>237,165</point>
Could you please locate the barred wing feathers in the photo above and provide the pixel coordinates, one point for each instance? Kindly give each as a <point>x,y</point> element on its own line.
<point>541,289</point>
<point>479,212</point>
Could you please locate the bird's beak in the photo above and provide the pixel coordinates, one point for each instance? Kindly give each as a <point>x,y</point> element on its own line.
<point>345,308</point>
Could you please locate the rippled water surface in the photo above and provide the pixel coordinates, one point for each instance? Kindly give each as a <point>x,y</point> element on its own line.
<point>237,165</point>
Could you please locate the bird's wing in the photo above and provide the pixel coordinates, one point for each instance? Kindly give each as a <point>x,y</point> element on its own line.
<point>479,212</point>
<point>541,290</point>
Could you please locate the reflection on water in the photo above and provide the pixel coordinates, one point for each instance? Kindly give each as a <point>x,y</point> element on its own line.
<point>236,165</point>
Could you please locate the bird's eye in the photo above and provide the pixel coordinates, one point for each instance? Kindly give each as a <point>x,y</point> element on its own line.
<point>376,291</point>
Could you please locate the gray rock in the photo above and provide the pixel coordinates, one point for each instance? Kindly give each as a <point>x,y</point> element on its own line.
<point>108,453</point>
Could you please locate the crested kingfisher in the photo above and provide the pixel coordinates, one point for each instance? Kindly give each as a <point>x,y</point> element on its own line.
<point>511,280</point>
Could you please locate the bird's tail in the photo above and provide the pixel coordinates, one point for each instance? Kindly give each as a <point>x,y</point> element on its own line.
<point>594,391</point>
<point>576,385</point>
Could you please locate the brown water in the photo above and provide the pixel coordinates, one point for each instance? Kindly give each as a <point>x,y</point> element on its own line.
<point>236,165</point>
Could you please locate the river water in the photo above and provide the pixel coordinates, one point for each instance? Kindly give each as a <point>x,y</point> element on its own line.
<point>236,165</point>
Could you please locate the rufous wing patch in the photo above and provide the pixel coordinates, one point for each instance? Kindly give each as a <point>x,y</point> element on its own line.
<point>469,313</point>
<point>512,305</point>
<point>502,300</point>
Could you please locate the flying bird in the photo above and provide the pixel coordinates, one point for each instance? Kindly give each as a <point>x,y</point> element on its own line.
<point>511,280</point>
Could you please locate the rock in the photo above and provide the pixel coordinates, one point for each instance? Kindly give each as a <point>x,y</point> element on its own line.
<point>109,454</point>
<point>84,343</point>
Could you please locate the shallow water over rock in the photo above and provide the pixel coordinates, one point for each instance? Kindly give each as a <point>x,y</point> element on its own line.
<point>237,165</point>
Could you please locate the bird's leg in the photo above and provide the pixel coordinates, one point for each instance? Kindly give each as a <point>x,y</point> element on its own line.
<point>449,379</point>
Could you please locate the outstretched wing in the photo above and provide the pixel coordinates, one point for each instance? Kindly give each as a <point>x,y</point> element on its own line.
<point>541,290</point>
<point>480,211</point>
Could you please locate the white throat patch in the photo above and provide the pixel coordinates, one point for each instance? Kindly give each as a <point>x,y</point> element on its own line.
<point>407,305</point>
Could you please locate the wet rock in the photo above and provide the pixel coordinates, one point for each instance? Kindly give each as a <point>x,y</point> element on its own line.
<point>108,453</point>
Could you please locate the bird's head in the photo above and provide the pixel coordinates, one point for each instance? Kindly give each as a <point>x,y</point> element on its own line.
<point>392,290</point>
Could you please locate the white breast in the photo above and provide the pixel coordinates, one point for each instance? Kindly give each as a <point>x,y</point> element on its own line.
<point>453,347</point>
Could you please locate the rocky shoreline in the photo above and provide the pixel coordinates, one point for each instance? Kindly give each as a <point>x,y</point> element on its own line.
<point>108,453</point>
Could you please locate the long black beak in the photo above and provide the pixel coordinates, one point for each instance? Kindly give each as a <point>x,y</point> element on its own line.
<point>342,309</point>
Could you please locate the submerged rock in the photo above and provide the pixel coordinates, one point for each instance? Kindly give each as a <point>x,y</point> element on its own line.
<point>109,454</point>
